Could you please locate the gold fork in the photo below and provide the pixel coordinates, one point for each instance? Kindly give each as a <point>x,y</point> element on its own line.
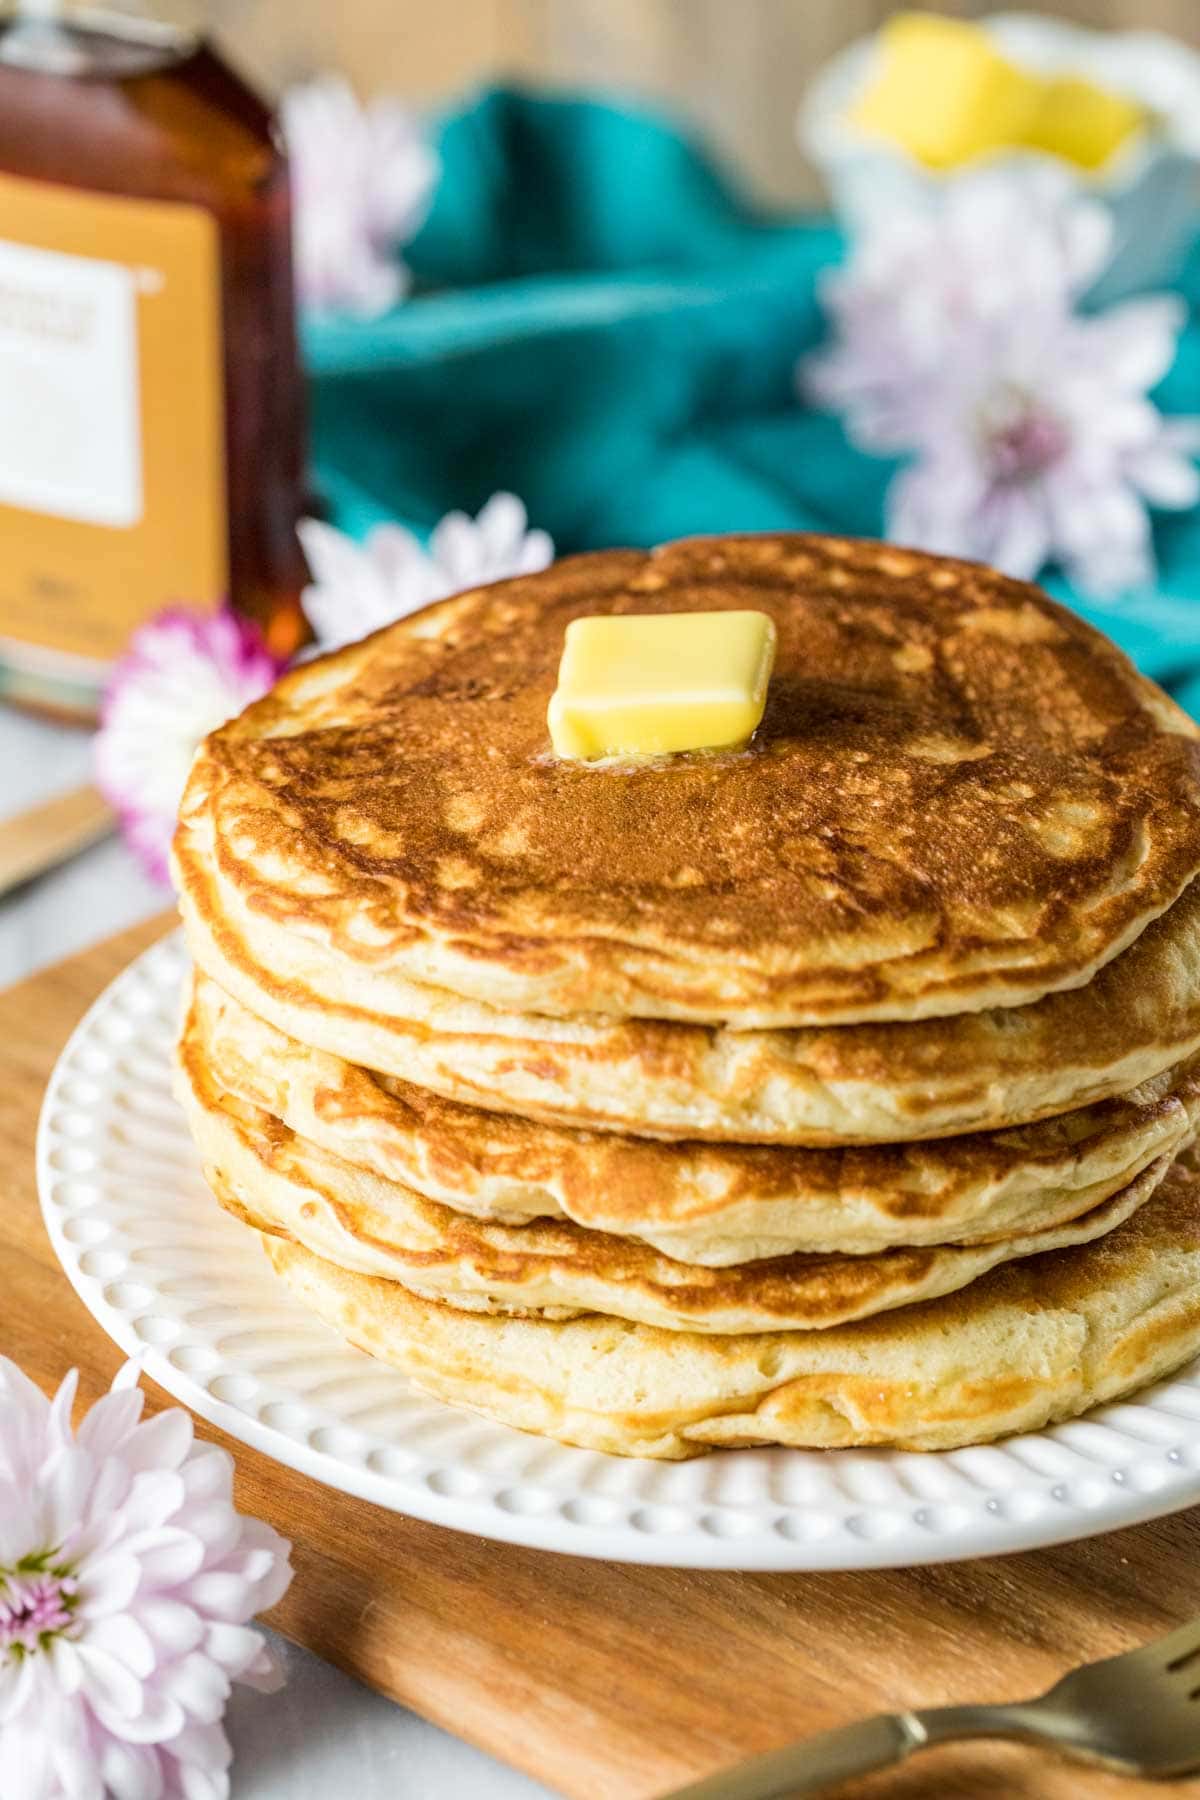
<point>1138,1713</point>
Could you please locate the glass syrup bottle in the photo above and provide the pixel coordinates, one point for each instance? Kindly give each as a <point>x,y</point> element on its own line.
<point>151,416</point>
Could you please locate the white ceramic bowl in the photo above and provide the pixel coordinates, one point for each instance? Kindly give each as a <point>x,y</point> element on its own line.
<point>1151,184</point>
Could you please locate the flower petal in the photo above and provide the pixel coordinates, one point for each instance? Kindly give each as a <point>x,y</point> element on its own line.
<point>110,1486</point>
<point>168,1555</point>
<point>202,1784</point>
<point>123,1638</point>
<point>183,674</point>
<point>452,547</point>
<point>217,1525</point>
<point>1164,478</point>
<point>25,1406</point>
<point>60,1494</point>
<point>199,1684</point>
<point>17,1682</point>
<point>174,1627</point>
<point>162,1442</point>
<point>235,1647</point>
<point>208,1474</point>
<point>202,1747</point>
<point>223,1594</point>
<point>271,1585</point>
<point>108,1423</point>
<point>74,1762</point>
<point>112,1690</point>
<point>63,1657</point>
<point>358,588</point>
<point>108,1584</point>
<point>155,1495</point>
<point>58,1424</point>
<point>362,179</point>
<point>159,1722</point>
<point>1021,539</point>
<point>537,552</point>
<point>266,1673</point>
<point>1136,341</point>
<point>501,523</point>
<point>132,1771</point>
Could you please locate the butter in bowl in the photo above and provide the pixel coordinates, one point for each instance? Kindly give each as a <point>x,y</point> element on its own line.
<point>896,116</point>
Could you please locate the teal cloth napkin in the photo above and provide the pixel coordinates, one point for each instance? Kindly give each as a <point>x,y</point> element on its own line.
<point>601,325</point>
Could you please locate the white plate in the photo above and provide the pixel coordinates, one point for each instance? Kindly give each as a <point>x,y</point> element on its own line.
<point>173,1279</point>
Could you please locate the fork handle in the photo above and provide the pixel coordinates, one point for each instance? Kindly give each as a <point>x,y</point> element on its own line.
<point>818,1763</point>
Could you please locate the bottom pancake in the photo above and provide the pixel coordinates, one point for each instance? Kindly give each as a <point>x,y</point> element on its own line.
<point>1031,1343</point>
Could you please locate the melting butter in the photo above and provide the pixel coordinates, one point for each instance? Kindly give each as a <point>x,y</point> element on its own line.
<point>652,684</point>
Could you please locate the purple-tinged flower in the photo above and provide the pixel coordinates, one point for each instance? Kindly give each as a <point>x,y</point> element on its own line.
<point>362,181</point>
<point>359,587</point>
<point>184,673</point>
<point>958,340</point>
<point>127,1581</point>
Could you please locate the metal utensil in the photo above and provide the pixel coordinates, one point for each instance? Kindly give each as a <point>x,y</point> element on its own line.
<point>1138,1713</point>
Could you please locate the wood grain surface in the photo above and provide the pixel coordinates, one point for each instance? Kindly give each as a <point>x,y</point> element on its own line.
<point>611,1682</point>
<point>45,835</point>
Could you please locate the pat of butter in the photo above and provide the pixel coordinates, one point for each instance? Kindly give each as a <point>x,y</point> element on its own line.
<point>945,93</point>
<point>650,684</point>
<point>1083,123</point>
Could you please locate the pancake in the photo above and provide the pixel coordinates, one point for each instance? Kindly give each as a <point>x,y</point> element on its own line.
<point>1034,1342</point>
<point>706,1204</point>
<point>848,1084</point>
<point>290,1188</point>
<point>960,797</point>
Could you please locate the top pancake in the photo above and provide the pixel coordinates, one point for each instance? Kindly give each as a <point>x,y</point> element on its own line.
<point>960,797</point>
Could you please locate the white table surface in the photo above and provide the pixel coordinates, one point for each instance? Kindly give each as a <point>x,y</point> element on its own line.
<point>324,1737</point>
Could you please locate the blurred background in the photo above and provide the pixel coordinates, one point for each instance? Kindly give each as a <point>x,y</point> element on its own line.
<point>732,68</point>
<point>313,313</point>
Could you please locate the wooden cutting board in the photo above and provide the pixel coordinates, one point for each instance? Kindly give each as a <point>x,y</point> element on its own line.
<point>611,1682</point>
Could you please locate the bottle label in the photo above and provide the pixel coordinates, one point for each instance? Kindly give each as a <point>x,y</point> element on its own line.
<point>112,466</point>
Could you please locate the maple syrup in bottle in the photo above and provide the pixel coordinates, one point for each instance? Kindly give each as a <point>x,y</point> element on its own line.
<point>151,415</point>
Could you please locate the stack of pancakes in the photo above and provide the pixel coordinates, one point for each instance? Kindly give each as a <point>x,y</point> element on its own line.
<point>825,1092</point>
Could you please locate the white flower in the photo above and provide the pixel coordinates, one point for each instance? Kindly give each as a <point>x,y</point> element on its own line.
<point>126,1583</point>
<point>362,181</point>
<point>185,672</point>
<point>359,587</point>
<point>959,339</point>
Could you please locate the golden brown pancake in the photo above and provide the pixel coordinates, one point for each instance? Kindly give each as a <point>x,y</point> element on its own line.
<point>960,797</point>
<point>552,1269</point>
<point>1036,1341</point>
<point>845,1084</point>
<point>708,1204</point>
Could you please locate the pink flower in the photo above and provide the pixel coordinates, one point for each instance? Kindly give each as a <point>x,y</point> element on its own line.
<point>958,339</point>
<point>184,673</point>
<point>357,588</point>
<point>126,1583</point>
<point>362,180</point>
